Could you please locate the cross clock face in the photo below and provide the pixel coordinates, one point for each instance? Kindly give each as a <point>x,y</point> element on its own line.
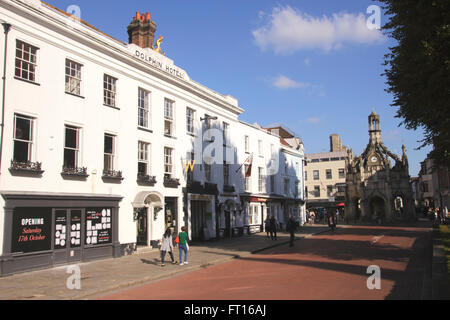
<point>373,159</point>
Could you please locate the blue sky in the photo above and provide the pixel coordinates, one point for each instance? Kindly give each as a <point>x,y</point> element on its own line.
<point>313,66</point>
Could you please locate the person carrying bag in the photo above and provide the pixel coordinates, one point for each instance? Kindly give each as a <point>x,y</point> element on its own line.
<point>183,245</point>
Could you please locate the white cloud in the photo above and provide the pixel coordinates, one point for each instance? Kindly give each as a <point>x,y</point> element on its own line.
<point>307,61</point>
<point>313,120</point>
<point>283,82</point>
<point>288,30</point>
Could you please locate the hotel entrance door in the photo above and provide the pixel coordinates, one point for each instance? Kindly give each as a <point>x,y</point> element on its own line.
<point>142,227</point>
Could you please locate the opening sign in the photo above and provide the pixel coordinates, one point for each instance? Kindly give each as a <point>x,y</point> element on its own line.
<point>31,230</point>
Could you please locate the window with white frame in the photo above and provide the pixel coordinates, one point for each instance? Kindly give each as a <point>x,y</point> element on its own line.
<point>247,179</point>
<point>341,173</point>
<point>73,77</point>
<point>143,158</point>
<point>143,108</point>
<point>226,132</point>
<point>260,148</point>
<point>72,147</point>
<point>168,117</point>
<point>247,144</point>
<point>168,163</point>
<point>306,175</point>
<point>316,174</point>
<point>190,116</point>
<point>109,90</point>
<point>26,61</point>
<point>253,215</point>
<point>23,138</point>
<point>261,180</point>
<point>109,162</point>
<point>329,174</point>
<point>272,152</point>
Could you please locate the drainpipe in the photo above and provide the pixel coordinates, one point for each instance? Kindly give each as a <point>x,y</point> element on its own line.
<point>7,28</point>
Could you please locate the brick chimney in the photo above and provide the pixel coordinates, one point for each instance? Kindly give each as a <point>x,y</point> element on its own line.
<point>141,30</point>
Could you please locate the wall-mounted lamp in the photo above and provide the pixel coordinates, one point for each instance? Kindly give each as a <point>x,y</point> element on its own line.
<point>208,118</point>
<point>155,212</point>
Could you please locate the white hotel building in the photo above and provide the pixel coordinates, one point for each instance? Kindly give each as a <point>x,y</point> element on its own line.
<point>94,140</point>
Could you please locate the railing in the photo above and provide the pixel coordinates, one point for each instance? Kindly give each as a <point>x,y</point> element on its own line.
<point>76,172</point>
<point>34,167</point>
<point>111,174</point>
<point>147,179</point>
<point>171,182</point>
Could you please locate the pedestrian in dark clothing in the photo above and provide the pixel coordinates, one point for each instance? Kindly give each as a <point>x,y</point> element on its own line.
<point>291,227</point>
<point>332,222</point>
<point>273,228</point>
<point>267,226</point>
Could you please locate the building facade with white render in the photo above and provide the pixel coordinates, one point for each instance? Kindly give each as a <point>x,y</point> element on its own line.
<point>98,141</point>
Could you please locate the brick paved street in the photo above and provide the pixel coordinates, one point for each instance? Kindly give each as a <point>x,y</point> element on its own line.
<point>326,266</point>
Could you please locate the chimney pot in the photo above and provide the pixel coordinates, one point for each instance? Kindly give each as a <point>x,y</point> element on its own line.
<point>142,34</point>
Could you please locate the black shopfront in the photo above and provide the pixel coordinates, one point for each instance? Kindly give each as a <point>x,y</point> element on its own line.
<point>46,230</point>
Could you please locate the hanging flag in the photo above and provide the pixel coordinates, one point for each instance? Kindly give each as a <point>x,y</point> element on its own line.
<point>248,172</point>
<point>248,162</point>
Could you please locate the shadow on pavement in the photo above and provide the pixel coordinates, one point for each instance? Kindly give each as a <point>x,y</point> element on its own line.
<point>154,262</point>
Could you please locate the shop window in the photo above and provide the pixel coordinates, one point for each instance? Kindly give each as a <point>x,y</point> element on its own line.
<point>31,230</point>
<point>98,226</point>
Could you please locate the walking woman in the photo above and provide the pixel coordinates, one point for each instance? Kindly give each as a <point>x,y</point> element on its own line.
<point>183,246</point>
<point>167,246</point>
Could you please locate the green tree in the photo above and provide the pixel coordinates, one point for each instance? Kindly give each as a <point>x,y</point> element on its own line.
<point>418,69</point>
